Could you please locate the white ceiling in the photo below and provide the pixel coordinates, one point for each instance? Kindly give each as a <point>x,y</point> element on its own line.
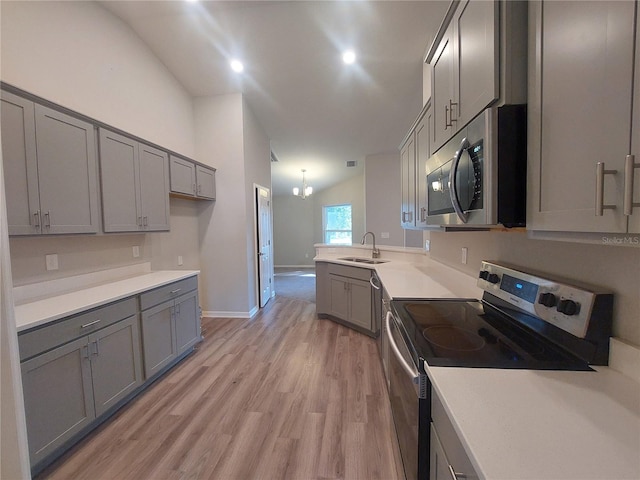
<point>318,112</point>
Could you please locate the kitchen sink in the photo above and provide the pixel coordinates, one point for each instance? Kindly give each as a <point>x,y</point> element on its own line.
<point>370,261</point>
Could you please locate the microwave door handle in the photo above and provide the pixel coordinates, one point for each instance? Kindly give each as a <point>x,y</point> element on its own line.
<point>411,371</point>
<point>453,190</point>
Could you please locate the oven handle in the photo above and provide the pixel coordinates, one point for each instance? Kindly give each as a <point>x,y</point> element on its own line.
<point>453,191</point>
<point>412,371</point>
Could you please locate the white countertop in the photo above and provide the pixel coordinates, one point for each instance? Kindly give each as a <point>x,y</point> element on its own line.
<point>525,424</point>
<point>426,279</point>
<point>532,424</point>
<point>39,312</point>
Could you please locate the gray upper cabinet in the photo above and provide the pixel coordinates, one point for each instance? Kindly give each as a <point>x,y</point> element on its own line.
<point>20,165</point>
<point>192,180</point>
<point>183,176</point>
<point>580,101</point>
<point>206,180</point>
<point>477,59</point>
<point>634,218</point>
<point>135,185</point>
<point>50,165</point>
<point>414,154</point>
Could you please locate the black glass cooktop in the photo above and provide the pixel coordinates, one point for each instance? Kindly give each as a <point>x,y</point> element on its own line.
<point>474,334</point>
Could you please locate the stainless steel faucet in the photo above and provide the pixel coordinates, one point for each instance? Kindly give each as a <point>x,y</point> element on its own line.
<point>375,253</point>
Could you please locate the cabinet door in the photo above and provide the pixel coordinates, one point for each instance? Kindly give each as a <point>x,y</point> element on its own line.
<point>206,182</point>
<point>154,188</point>
<point>422,155</point>
<point>57,397</point>
<point>183,176</point>
<point>408,187</point>
<point>119,175</point>
<point>360,304</point>
<point>158,338</point>
<point>442,90</point>
<point>634,219</point>
<point>115,363</point>
<point>339,297</point>
<point>476,60</point>
<point>67,178</point>
<point>438,463</point>
<point>187,321</point>
<point>573,124</point>
<point>20,165</point>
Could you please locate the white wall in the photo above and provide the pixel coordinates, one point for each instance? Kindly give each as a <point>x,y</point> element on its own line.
<point>293,231</point>
<point>350,191</point>
<point>257,167</point>
<point>615,268</point>
<point>383,197</point>
<point>80,56</point>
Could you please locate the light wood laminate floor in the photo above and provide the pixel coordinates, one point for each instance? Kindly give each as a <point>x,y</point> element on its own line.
<point>281,396</point>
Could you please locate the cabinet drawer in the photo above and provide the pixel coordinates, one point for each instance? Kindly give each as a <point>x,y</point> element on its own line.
<point>168,292</point>
<point>33,342</point>
<point>351,272</point>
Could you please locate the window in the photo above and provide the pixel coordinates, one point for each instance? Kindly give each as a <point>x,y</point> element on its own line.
<point>336,224</point>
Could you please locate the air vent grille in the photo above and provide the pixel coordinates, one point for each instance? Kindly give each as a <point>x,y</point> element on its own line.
<point>352,163</point>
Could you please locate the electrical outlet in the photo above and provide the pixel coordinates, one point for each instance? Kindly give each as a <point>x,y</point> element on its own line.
<point>180,260</point>
<point>306,255</point>
<point>384,234</point>
<point>427,245</point>
<point>52,261</point>
<point>136,251</point>
<point>464,255</point>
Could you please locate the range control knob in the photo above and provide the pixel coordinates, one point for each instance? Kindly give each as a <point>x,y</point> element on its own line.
<point>548,300</point>
<point>484,274</point>
<point>493,278</point>
<point>568,307</point>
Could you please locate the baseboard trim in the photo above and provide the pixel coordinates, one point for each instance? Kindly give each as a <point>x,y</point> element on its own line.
<point>221,314</point>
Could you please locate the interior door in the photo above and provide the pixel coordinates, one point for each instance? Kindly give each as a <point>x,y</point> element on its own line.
<point>263,201</point>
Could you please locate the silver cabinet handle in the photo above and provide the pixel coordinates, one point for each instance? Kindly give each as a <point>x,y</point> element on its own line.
<point>453,189</point>
<point>87,325</point>
<point>173,292</point>
<point>455,475</point>
<point>447,124</point>
<point>629,172</point>
<point>600,173</point>
<point>373,284</point>
<point>199,189</point>
<point>411,371</point>
<point>423,214</point>
<point>194,189</point>
<point>47,216</point>
<point>139,222</point>
<point>37,218</point>
<point>85,351</point>
<point>145,221</point>
<point>451,105</point>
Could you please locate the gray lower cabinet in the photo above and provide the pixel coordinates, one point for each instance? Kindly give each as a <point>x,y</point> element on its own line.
<point>344,293</point>
<point>171,327</point>
<point>68,387</point>
<point>447,460</point>
<point>50,170</point>
<point>192,180</point>
<point>135,185</point>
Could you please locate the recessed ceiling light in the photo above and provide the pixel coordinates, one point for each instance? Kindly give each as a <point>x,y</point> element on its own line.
<point>191,1</point>
<point>349,57</point>
<point>236,66</point>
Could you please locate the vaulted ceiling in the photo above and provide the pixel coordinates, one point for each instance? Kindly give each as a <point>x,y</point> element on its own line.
<point>318,112</point>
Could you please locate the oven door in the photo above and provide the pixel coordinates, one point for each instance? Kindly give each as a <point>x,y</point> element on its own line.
<point>408,392</point>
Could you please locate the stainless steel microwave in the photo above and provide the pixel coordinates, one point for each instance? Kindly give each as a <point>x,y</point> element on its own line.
<point>479,177</point>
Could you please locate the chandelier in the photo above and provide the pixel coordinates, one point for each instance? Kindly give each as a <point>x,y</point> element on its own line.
<point>306,190</point>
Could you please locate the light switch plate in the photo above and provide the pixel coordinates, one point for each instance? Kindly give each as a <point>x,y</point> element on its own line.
<point>464,255</point>
<point>180,260</point>
<point>52,261</point>
<point>384,234</point>
<point>136,251</point>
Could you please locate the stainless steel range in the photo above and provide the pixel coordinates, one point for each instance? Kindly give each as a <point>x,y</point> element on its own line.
<point>524,320</point>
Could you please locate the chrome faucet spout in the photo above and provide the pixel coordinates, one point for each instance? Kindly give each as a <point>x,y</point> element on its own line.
<point>375,253</point>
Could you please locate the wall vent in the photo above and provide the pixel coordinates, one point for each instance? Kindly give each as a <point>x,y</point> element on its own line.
<point>352,163</point>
